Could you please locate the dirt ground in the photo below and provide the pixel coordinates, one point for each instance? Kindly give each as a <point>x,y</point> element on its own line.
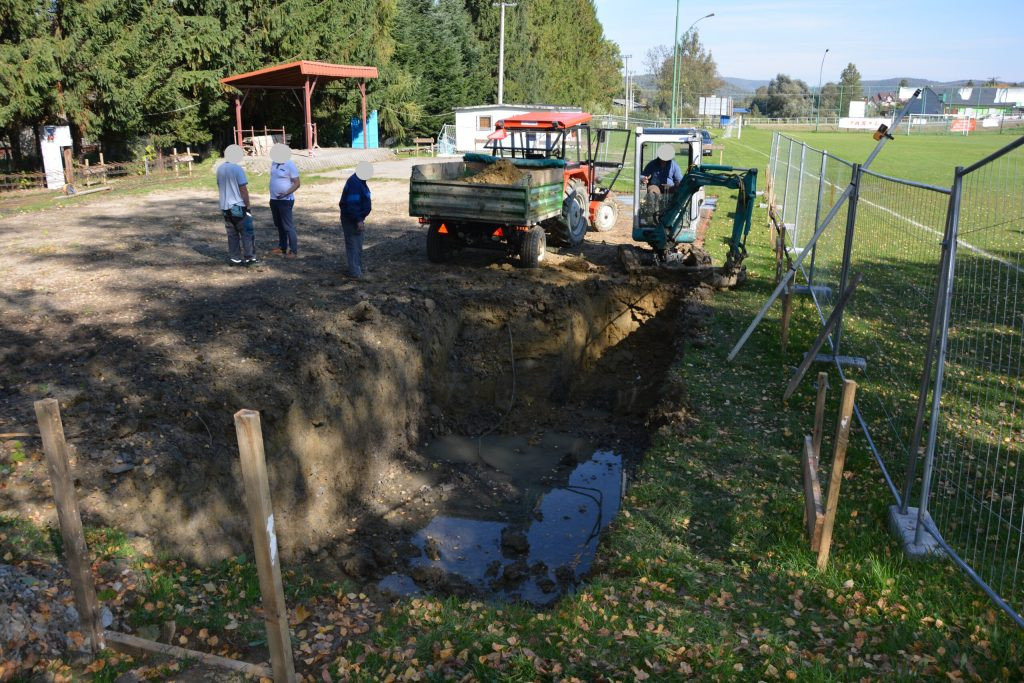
<point>127,312</point>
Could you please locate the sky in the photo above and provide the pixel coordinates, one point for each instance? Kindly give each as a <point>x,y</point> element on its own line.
<point>941,40</point>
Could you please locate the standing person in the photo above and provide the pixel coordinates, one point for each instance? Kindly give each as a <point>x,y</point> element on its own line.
<point>355,206</point>
<point>284,180</point>
<point>234,204</point>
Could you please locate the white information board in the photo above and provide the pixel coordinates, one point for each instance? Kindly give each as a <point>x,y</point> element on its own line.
<point>51,140</point>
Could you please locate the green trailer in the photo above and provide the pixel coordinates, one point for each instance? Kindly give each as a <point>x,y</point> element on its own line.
<point>507,217</point>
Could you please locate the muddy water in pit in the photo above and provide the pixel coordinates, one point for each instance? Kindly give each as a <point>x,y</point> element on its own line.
<point>531,549</point>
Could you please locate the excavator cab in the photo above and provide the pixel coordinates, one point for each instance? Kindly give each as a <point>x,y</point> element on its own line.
<point>652,199</point>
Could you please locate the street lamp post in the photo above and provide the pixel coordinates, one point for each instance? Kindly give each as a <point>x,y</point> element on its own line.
<point>817,108</point>
<point>501,50</point>
<point>675,60</point>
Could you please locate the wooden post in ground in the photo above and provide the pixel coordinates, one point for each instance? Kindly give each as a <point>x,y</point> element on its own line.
<point>787,314</point>
<point>268,565</point>
<point>69,167</point>
<point>819,412</point>
<point>104,165</point>
<point>174,158</point>
<point>836,476</point>
<point>88,181</point>
<point>75,549</point>
<point>188,151</point>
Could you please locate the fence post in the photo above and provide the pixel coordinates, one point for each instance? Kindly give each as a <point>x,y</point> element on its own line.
<point>75,549</point>
<point>69,167</point>
<point>87,179</point>
<point>929,355</point>
<point>174,157</point>
<point>787,315</point>
<point>836,475</point>
<point>817,213</point>
<point>851,224</point>
<point>188,151</point>
<point>268,565</point>
<point>947,296</point>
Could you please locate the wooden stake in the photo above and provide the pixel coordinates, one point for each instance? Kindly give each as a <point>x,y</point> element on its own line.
<point>836,476</point>
<point>88,180</point>
<point>787,314</point>
<point>56,449</point>
<point>819,412</point>
<point>136,647</point>
<point>814,516</point>
<point>174,157</point>
<point>69,167</point>
<point>261,519</point>
<point>188,151</point>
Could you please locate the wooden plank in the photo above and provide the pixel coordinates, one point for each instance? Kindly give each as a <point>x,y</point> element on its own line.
<point>836,476</point>
<point>268,565</point>
<point>94,190</point>
<point>833,320</point>
<point>819,412</point>
<point>140,647</point>
<point>55,448</point>
<point>814,512</point>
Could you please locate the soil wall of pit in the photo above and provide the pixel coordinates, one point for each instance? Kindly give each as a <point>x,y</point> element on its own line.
<point>346,396</point>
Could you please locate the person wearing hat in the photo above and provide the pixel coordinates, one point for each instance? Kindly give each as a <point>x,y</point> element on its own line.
<point>355,205</point>
<point>662,174</point>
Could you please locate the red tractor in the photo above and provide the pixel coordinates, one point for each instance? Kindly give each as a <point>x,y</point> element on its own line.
<point>565,136</point>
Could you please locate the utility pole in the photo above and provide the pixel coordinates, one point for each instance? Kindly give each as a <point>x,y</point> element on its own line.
<point>501,50</point>
<point>817,109</point>
<point>625,82</point>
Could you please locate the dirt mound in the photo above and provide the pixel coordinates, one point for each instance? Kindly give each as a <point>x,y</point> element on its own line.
<point>501,172</point>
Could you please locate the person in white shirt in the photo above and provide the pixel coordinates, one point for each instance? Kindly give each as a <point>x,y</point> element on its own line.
<point>234,204</point>
<point>284,180</point>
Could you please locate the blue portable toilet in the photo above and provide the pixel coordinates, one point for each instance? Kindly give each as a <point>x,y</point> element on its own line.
<point>371,125</point>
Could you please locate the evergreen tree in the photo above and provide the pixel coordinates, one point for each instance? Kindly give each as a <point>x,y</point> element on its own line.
<point>850,88</point>
<point>29,71</point>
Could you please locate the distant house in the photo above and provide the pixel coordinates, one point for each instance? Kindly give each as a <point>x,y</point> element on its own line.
<point>474,124</point>
<point>928,104</point>
<point>883,102</point>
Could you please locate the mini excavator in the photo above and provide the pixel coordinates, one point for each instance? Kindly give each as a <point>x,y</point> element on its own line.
<point>667,219</point>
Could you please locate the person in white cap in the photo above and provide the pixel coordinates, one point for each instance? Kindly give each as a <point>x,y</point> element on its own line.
<point>662,173</point>
<point>234,204</point>
<point>355,205</point>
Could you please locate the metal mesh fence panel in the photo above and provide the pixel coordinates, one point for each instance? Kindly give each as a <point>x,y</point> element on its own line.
<point>977,497</point>
<point>897,247</point>
<point>825,267</point>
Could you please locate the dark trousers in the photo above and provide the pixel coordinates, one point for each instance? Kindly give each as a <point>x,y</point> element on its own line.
<point>287,238</point>
<point>241,237</point>
<point>353,246</point>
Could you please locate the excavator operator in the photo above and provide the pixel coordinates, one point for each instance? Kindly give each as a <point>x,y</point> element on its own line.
<point>662,174</point>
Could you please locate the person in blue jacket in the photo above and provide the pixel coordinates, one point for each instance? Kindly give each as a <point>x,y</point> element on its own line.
<point>355,206</point>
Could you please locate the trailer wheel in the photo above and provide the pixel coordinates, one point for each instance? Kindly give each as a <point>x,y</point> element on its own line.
<point>605,216</point>
<point>571,227</point>
<point>531,251</point>
<point>439,244</point>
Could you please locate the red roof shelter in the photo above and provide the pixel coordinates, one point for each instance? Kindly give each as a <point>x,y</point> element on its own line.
<point>304,76</point>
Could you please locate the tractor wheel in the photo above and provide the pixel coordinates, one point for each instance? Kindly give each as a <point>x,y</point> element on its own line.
<point>439,245</point>
<point>531,250</point>
<point>570,228</point>
<point>605,215</point>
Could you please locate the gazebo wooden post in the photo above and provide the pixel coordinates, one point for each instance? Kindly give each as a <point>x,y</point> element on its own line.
<point>238,120</point>
<point>362,94</point>
<point>307,91</point>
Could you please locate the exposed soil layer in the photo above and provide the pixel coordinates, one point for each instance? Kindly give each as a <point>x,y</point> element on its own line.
<point>128,314</point>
